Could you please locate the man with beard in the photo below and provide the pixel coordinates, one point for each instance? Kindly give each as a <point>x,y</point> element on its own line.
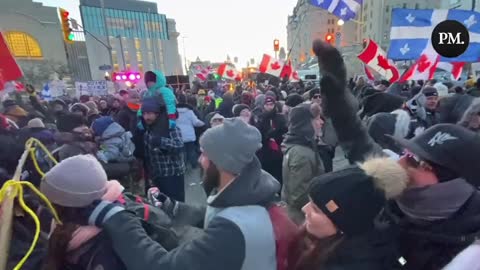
<point>272,126</point>
<point>238,231</point>
<point>163,149</point>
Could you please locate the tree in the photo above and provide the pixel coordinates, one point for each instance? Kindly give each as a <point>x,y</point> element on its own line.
<point>40,74</point>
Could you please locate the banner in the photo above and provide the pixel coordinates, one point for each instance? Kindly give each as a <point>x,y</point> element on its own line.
<point>94,88</point>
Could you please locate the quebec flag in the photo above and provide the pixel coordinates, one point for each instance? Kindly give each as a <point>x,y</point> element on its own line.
<point>344,9</point>
<point>411,31</point>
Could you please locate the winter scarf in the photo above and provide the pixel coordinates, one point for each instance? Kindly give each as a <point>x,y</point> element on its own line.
<point>85,233</point>
<point>435,202</point>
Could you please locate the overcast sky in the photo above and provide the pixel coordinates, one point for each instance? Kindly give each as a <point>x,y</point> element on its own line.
<point>215,28</point>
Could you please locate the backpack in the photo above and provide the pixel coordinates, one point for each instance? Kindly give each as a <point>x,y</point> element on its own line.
<point>285,231</point>
<point>98,251</point>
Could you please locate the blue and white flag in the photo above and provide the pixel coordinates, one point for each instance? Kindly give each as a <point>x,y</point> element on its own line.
<point>410,35</point>
<point>344,9</point>
<point>46,95</point>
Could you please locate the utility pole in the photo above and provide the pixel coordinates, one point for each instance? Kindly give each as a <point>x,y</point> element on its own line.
<point>109,48</point>
<point>121,51</point>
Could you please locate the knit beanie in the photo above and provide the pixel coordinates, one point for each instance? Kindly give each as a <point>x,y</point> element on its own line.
<point>151,104</point>
<point>430,91</point>
<point>238,108</point>
<point>77,181</point>
<point>101,124</point>
<point>35,123</point>
<point>67,122</point>
<point>353,197</point>
<point>231,146</point>
<point>313,92</point>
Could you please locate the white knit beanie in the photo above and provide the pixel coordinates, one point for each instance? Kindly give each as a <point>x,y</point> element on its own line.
<point>75,182</point>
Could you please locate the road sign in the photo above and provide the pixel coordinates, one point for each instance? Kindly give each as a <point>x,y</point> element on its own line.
<point>105,67</point>
<point>338,34</point>
<point>338,39</point>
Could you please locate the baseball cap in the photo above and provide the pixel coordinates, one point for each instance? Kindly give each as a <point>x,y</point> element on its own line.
<point>451,146</point>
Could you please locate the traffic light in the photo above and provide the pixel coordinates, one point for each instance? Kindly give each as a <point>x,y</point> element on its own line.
<point>329,38</point>
<point>276,45</point>
<point>65,21</point>
<point>364,43</point>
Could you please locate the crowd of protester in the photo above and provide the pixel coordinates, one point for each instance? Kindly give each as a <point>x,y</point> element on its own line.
<point>408,200</point>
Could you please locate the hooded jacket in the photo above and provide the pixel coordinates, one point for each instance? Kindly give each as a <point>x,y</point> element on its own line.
<point>238,231</point>
<point>470,117</point>
<point>113,140</point>
<point>160,88</point>
<point>301,162</point>
<point>187,122</point>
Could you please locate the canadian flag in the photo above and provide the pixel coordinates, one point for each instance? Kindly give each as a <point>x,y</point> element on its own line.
<point>9,69</point>
<point>376,59</point>
<point>227,72</point>
<point>202,73</point>
<point>271,66</point>
<point>455,68</point>
<point>423,69</point>
<point>368,73</point>
<point>294,76</point>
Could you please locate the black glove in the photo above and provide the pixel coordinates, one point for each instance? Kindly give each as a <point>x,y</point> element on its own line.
<point>162,201</point>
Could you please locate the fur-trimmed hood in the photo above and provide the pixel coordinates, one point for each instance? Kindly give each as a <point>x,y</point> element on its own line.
<point>387,175</point>
<point>470,117</point>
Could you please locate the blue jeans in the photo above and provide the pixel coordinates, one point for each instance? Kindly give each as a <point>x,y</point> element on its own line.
<point>191,154</point>
<point>172,186</point>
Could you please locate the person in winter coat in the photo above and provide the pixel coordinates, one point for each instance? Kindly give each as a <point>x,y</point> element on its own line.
<point>238,231</point>
<point>301,162</point>
<point>475,90</point>
<point>115,144</point>
<point>339,230</point>
<point>382,126</point>
<point>471,118</point>
<point>156,83</point>
<point>72,185</point>
<point>272,126</point>
<point>163,150</point>
<point>127,116</point>
<point>74,137</point>
<point>427,229</point>
<point>80,109</point>
<point>187,122</point>
<point>243,112</point>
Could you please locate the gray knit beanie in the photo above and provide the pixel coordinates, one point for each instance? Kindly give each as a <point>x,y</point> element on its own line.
<point>75,182</point>
<point>231,146</point>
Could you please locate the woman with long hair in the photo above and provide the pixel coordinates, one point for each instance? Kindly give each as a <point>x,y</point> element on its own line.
<point>72,185</point>
<point>339,231</point>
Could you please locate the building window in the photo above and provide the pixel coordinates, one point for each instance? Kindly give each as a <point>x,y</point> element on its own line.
<point>116,68</point>
<point>149,44</point>
<point>23,45</point>
<point>404,5</point>
<point>114,57</point>
<point>127,57</point>
<point>137,44</point>
<point>417,6</point>
<point>140,68</point>
<point>139,57</point>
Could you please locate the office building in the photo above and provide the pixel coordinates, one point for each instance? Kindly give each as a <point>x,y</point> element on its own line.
<point>308,23</point>
<point>138,35</point>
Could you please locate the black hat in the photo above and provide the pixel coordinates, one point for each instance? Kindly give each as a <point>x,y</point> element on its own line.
<point>450,146</point>
<point>381,102</point>
<point>238,108</point>
<point>396,123</point>
<point>67,122</point>
<point>294,100</point>
<point>353,197</point>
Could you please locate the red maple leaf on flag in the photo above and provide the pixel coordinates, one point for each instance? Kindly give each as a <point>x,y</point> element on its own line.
<point>423,63</point>
<point>230,73</point>
<point>275,65</point>
<point>295,75</point>
<point>383,62</point>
